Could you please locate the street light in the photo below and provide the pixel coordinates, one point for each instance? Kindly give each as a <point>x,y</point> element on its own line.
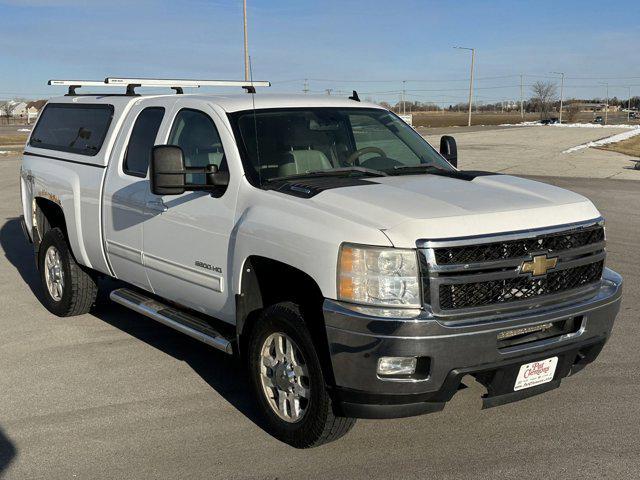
<point>606,106</point>
<point>561,91</point>
<point>473,58</point>
<point>246,41</point>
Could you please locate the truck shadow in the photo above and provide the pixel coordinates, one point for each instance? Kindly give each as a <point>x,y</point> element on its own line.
<point>222,372</point>
<point>20,254</point>
<point>7,452</point>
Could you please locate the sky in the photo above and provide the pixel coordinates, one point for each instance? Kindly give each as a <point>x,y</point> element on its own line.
<point>370,46</point>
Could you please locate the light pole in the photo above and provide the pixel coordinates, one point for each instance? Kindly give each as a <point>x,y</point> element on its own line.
<point>561,91</point>
<point>629,106</point>
<point>473,59</point>
<point>606,106</point>
<point>522,96</point>
<point>246,41</point>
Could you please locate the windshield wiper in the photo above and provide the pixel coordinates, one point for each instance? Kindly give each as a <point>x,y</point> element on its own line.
<point>424,167</point>
<point>337,172</point>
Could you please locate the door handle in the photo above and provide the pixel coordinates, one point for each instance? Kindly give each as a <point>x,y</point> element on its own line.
<point>157,205</point>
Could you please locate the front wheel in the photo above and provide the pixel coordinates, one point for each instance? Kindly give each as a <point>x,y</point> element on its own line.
<point>288,380</point>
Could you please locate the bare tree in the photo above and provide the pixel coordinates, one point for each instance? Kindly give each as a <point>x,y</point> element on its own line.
<point>7,107</point>
<point>572,111</point>
<point>544,94</point>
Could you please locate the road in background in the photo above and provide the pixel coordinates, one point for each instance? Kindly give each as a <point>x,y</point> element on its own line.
<point>113,394</point>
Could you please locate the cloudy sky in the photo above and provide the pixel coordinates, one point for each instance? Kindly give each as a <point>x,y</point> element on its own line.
<point>368,45</point>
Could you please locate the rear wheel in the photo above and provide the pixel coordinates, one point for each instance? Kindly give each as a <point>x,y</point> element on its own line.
<point>288,380</point>
<point>68,289</point>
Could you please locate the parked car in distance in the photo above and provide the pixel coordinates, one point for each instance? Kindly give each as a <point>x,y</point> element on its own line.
<point>550,121</point>
<point>598,119</point>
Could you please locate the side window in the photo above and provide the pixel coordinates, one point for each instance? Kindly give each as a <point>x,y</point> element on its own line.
<point>143,136</point>
<point>196,134</point>
<point>75,128</point>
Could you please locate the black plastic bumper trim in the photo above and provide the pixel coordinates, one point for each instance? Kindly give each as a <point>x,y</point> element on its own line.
<point>372,411</point>
<point>360,404</point>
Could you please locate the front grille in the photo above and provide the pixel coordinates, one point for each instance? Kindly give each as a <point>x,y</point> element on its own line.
<point>553,242</point>
<point>478,294</point>
<point>465,276</point>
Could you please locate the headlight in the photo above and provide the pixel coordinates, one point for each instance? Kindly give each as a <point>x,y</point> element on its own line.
<point>378,276</point>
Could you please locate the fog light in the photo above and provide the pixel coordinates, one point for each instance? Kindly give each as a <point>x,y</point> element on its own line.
<point>397,365</point>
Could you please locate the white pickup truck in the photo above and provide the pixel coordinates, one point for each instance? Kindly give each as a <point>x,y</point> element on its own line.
<point>353,267</point>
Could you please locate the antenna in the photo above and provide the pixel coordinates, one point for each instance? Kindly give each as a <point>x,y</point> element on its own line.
<point>255,122</point>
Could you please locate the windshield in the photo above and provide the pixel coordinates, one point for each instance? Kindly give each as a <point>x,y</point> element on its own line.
<point>281,143</point>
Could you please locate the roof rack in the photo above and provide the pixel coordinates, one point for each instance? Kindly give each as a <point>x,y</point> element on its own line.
<point>73,84</point>
<point>175,84</point>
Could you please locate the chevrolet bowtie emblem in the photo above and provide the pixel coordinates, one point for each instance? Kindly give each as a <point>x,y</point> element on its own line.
<point>539,265</point>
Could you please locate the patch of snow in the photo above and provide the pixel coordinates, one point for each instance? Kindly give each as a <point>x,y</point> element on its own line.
<point>4,152</point>
<point>24,129</point>
<point>567,125</point>
<point>590,125</point>
<point>523,124</point>
<point>605,141</point>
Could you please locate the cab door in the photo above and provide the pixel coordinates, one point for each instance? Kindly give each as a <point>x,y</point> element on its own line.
<point>125,192</point>
<point>186,240</point>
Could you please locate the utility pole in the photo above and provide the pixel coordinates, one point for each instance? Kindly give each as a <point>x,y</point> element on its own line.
<point>629,106</point>
<point>561,90</point>
<point>473,59</point>
<point>305,88</point>
<point>606,105</point>
<point>246,42</point>
<point>522,96</point>
<point>404,93</point>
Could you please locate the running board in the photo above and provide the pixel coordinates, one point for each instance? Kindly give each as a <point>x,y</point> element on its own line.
<point>172,317</point>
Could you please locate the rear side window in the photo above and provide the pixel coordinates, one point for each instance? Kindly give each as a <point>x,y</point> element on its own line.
<point>143,137</point>
<point>72,128</point>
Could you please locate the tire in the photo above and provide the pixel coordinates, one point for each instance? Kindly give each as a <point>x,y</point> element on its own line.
<point>67,289</point>
<point>316,423</point>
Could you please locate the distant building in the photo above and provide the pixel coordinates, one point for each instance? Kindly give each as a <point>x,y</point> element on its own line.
<point>596,107</point>
<point>19,110</point>
<point>34,109</point>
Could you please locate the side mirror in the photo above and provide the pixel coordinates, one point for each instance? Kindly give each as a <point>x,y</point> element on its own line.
<point>449,149</point>
<point>215,177</point>
<point>166,171</point>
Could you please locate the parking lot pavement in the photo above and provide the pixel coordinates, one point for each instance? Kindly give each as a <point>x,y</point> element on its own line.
<point>538,151</point>
<point>115,395</point>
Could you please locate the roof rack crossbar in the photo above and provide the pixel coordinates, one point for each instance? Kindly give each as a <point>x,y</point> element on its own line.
<point>74,84</point>
<point>184,83</point>
<point>175,84</point>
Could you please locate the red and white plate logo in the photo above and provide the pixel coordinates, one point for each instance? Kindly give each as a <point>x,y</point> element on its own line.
<point>536,373</point>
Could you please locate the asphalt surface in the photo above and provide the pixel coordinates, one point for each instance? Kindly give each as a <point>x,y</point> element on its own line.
<point>114,395</point>
<point>539,150</point>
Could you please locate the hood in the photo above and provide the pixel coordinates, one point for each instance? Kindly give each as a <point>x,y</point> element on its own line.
<point>412,207</point>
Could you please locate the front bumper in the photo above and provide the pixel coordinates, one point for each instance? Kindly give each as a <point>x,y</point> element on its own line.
<point>455,349</point>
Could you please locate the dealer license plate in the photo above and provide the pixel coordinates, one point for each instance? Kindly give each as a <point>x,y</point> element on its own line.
<point>536,373</point>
